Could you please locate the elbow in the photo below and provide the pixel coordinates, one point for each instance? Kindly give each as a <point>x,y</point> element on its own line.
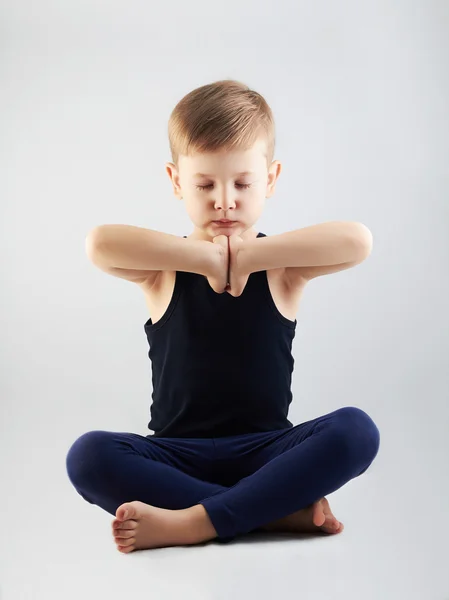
<point>94,243</point>
<point>363,241</point>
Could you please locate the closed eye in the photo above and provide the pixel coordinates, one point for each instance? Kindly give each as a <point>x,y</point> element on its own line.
<point>242,186</point>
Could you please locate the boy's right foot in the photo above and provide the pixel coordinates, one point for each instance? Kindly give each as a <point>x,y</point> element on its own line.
<point>315,518</point>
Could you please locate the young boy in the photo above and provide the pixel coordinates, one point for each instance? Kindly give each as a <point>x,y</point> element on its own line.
<point>224,459</point>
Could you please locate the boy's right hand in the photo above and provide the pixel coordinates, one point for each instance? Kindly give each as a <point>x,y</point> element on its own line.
<point>218,279</point>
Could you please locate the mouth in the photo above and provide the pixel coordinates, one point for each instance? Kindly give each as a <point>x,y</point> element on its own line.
<point>224,221</point>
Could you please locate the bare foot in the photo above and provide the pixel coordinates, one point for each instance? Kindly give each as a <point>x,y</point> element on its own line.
<point>315,518</point>
<point>139,525</point>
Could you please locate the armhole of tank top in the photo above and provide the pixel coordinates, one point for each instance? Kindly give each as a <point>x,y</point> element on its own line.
<point>171,305</point>
<point>269,297</point>
<point>272,304</point>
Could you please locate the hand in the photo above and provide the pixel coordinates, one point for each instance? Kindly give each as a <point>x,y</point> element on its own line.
<point>238,278</point>
<point>227,275</point>
<point>218,278</point>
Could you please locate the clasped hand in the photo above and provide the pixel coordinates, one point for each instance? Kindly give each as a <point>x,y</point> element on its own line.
<point>229,275</point>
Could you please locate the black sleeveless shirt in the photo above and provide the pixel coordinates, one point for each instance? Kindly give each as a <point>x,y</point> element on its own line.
<point>221,365</point>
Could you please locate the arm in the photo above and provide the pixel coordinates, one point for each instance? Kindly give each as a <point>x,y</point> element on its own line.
<point>139,254</point>
<point>310,251</point>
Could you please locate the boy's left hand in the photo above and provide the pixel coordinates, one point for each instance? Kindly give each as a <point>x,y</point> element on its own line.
<point>238,278</point>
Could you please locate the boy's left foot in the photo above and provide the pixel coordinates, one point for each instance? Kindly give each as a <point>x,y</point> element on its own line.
<point>315,518</point>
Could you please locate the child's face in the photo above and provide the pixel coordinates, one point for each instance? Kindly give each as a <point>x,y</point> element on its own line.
<point>212,189</point>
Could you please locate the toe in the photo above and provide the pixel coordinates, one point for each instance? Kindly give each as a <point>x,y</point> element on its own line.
<point>128,524</point>
<point>334,523</point>
<point>125,543</point>
<point>336,527</point>
<point>318,514</point>
<point>121,534</point>
<point>125,550</point>
<point>126,511</point>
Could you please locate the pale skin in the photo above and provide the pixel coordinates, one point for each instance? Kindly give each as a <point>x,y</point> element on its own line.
<point>302,254</point>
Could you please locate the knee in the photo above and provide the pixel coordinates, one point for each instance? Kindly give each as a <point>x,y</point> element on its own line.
<point>357,433</point>
<point>86,458</point>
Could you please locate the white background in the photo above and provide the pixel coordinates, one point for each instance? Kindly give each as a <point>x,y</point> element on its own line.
<point>360,94</point>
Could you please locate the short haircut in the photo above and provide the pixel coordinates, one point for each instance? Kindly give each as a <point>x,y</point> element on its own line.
<point>223,115</point>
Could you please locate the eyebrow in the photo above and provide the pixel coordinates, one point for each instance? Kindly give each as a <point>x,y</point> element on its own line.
<point>237,174</point>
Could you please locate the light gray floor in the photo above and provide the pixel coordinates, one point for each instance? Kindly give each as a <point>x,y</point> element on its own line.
<point>394,546</point>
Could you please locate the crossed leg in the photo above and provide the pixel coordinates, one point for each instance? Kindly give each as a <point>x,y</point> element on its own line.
<point>286,494</point>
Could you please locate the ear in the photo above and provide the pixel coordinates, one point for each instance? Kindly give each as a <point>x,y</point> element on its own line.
<point>273,174</point>
<point>174,178</point>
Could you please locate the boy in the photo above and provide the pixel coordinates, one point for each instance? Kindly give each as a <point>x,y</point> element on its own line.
<point>224,459</point>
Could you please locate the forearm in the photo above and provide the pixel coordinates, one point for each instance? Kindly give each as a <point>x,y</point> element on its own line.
<point>131,247</point>
<point>330,243</point>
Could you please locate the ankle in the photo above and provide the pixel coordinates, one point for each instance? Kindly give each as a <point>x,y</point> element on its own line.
<point>199,524</point>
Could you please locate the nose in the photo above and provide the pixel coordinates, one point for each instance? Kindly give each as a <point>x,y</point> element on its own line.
<point>225,201</point>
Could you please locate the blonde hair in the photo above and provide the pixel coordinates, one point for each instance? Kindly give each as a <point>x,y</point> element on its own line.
<point>223,115</point>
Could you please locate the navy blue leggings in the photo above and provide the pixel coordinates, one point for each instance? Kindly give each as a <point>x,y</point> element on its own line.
<point>243,481</point>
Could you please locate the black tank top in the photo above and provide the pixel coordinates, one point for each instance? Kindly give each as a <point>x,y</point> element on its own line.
<point>221,365</point>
